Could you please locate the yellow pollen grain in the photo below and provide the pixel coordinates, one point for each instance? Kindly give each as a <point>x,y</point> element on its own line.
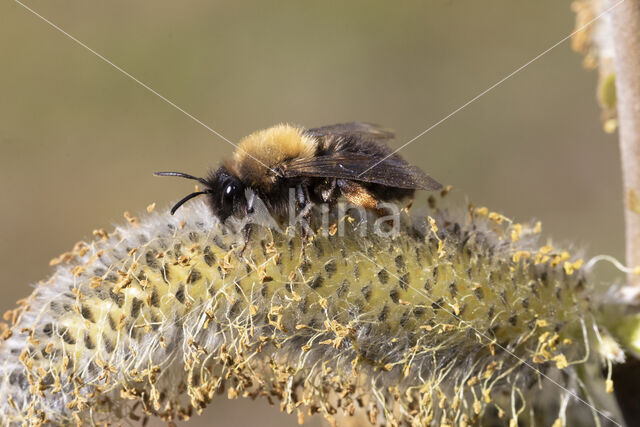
<point>482,211</point>
<point>521,255</point>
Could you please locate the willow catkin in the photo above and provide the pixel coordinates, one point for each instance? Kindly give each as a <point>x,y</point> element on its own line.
<point>593,38</point>
<point>457,319</point>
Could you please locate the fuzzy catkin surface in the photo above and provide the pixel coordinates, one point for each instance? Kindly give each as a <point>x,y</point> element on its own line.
<point>441,324</point>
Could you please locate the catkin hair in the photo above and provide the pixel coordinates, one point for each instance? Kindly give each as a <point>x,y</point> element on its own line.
<point>461,318</point>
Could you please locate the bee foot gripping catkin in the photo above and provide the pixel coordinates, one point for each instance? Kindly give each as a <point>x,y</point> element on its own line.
<point>459,319</point>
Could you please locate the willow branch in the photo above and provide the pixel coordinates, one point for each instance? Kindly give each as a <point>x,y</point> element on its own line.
<point>626,34</point>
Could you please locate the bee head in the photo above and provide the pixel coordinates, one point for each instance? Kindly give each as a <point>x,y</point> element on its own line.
<point>224,191</point>
<point>226,194</point>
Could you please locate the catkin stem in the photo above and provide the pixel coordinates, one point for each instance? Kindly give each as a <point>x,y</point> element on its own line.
<point>626,33</point>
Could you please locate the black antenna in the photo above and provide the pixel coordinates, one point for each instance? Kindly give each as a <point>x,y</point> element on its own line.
<point>182,175</point>
<point>186,199</point>
<point>189,196</point>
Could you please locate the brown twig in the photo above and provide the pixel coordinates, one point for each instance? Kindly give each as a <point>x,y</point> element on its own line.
<point>626,34</point>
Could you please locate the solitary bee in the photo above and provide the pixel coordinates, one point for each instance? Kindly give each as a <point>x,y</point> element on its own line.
<point>319,164</point>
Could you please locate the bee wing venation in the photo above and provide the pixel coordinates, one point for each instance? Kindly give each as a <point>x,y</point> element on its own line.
<point>366,131</point>
<point>392,172</point>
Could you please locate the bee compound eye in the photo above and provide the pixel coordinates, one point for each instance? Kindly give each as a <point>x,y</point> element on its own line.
<point>229,189</point>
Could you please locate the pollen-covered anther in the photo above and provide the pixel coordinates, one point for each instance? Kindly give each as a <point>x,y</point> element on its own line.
<point>130,218</point>
<point>101,233</point>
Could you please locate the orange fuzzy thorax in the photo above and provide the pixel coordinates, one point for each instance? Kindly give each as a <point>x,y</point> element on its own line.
<point>267,149</point>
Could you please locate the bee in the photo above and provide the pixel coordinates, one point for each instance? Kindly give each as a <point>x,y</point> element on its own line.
<point>315,165</point>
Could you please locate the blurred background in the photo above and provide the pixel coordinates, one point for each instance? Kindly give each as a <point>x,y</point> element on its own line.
<point>79,140</point>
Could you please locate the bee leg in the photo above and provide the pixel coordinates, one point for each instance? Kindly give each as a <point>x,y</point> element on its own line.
<point>246,233</point>
<point>306,211</point>
<point>327,192</point>
<point>408,206</point>
<point>305,206</point>
<point>300,205</point>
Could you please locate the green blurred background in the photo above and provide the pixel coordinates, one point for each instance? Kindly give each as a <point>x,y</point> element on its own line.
<point>79,140</point>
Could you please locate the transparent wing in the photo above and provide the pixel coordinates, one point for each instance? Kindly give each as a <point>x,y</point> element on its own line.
<point>392,172</point>
<point>365,131</point>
